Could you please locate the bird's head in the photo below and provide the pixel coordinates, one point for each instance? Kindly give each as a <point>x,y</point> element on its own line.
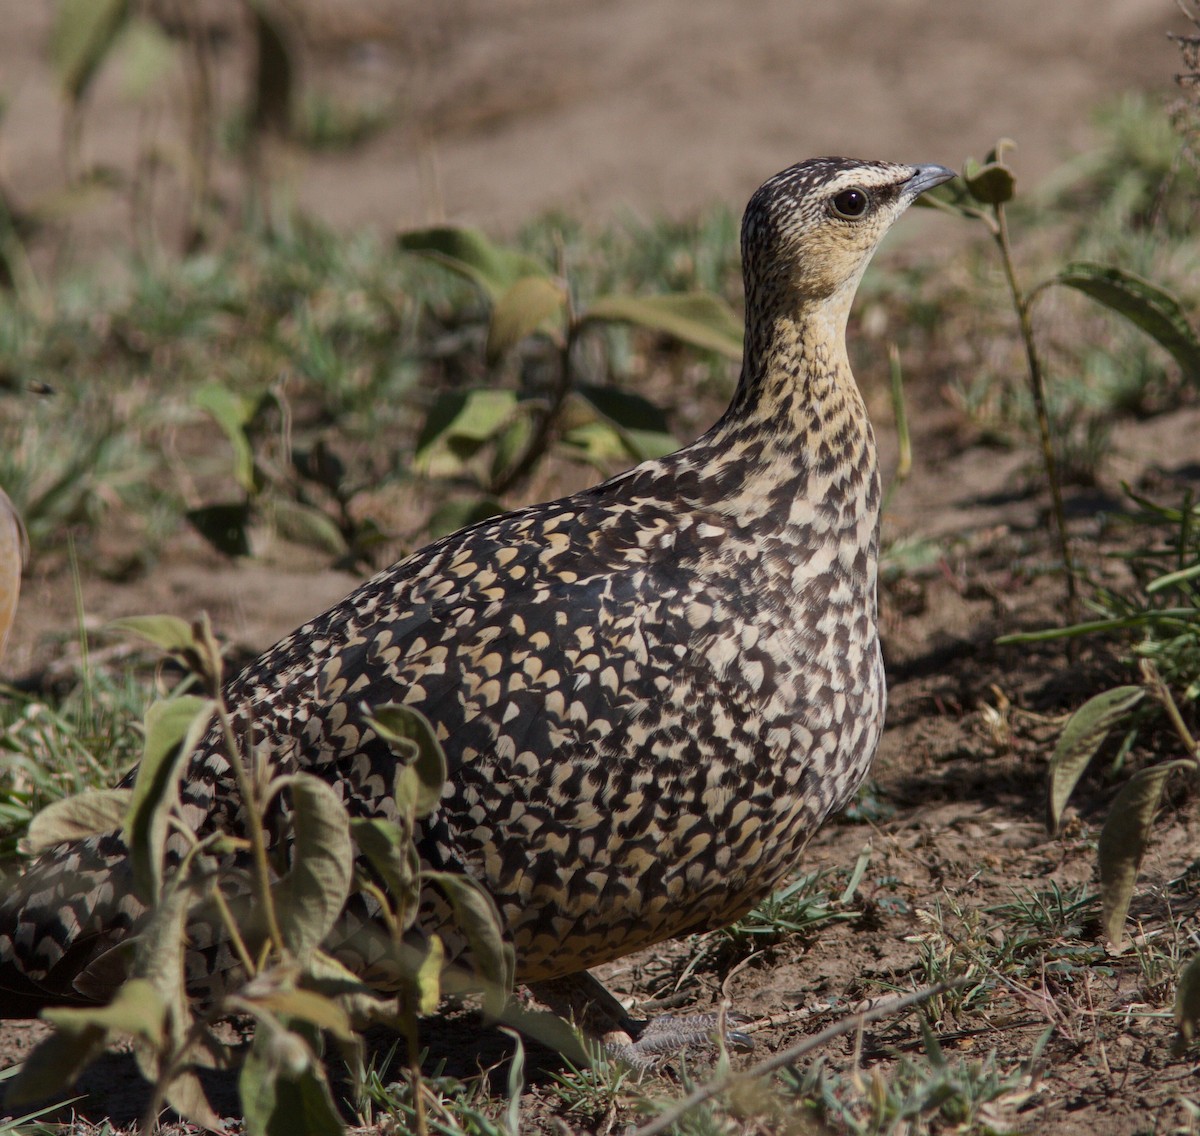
<point>809,231</point>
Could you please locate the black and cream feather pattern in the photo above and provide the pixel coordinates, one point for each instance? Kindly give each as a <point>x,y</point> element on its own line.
<point>650,693</point>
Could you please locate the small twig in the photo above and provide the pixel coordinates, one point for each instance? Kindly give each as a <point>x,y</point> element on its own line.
<point>792,1054</point>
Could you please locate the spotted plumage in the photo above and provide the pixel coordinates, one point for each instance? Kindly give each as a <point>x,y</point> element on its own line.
<point>650,693</point>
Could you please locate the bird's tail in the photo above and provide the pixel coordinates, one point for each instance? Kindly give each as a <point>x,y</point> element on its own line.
<point>61,923</point>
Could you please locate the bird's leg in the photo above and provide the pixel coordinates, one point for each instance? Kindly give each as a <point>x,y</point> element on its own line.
<point>580,998</point>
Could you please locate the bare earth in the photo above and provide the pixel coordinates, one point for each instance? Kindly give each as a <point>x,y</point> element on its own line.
<point>599,106</point>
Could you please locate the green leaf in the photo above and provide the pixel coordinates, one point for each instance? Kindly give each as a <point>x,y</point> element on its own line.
<point>168,632</point>
<point>362,1003</point>
<point>393,855</point>
<point>185,1094</point>
<point>1082,736</point>
<point>283,1089</point>
<point>136,1010</point>
<point>233,414</point>
<point>311,896</point>
<point>224,526</point>
<point>54,1064</point>
<point>992,183</point>
<point>698,318</point>
<point>308,1006</point>
<point>428,979</point>
<point>81,38</point>
<point>470,254</point>
<point>173,730</point>
<point>307,525</point>
<point>75,818</point>
<point>642,425</point>
<point>457,428</point>
<point>1147,306</point>
<point>598,443</point>
<point>1187,1001</point>
<point>1123,841</point>
<point>145,57</point>
<point>477,917</point>
<point>523,308</point>
<point>511,444</point>
<point>412,738</point>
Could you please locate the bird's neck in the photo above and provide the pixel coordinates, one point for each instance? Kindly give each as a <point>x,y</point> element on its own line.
<point>796,445</point>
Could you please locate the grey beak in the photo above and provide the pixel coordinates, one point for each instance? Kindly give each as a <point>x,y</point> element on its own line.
<point>926,177</point>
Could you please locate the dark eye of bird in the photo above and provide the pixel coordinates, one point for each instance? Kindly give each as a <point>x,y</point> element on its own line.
<point>851,203</point>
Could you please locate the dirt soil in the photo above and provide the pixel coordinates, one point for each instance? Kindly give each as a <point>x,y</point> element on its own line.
<point>511,108</point>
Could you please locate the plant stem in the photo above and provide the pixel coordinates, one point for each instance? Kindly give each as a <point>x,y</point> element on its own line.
<point>544,431</point>
<point>1038,388</point>
<point>254,832</point>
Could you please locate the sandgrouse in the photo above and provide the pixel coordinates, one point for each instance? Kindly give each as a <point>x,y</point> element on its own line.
<point>650,693</point>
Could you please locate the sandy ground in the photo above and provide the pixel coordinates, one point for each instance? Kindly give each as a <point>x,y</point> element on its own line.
<point>505,108</point>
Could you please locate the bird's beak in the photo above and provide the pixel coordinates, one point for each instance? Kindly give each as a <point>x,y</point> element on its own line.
<point>925,178</point>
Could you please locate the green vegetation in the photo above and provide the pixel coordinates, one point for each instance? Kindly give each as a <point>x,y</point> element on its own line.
<point>288,386</point>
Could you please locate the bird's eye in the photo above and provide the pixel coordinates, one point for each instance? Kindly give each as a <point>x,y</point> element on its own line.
<point>851,203</point>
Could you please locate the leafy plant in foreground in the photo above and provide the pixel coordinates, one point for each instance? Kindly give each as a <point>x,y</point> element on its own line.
<point>518,427</point>
<point>982,194</point>
<point>274,913</point>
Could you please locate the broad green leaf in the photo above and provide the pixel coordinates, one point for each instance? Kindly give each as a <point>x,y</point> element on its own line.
<point>643,426</point>
<point>311,896</point>
<point>411,736</point>
<point>159,952</point>
<point>698,318</point>
<point>75,818</point>
<point>307,525</point>
<point>173,730</point>
<point>457,428</point>
<point>477,917</point>
<point>362,1003</point>
<point>308,1006</point>
<point>1187,1001</point>
<point>394,857</point>
<point>992,184</point>
<point>470,254</point>
<point>283,1089</point>
<point>185,1094</point>
<point>1149,307</point>
<point>168,632</point>
<point>458,514</point>
<point>81,38</point>
<point>1082,736</point>
<point>233,414</point>
<point>145,57</point>
<point>511,444</point>
<point>136,1010</point>
<point>523,308</point>
<point>54,1064</point>
<point>1123,841</point>
<point>599,443</point>
<point>225,526</point>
